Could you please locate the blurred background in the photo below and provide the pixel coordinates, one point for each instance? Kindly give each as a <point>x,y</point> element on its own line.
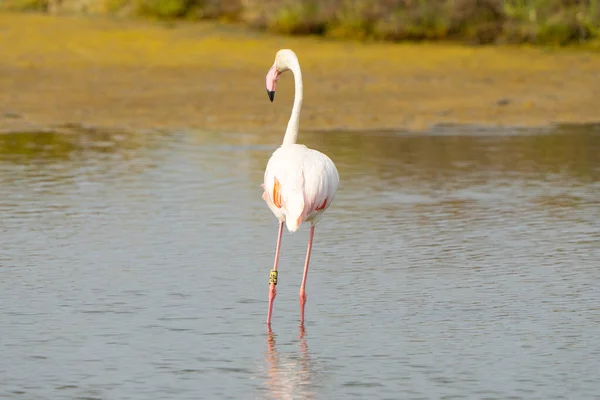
<point>478,21</point>
<point>458,260</point>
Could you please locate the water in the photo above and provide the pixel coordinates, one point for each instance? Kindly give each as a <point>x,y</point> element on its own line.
<point>460,264</point>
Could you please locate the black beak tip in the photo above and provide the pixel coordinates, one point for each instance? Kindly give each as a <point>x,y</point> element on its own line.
<point>271,94</point>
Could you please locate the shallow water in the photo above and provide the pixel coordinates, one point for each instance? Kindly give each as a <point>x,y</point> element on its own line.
<point>459,264</point>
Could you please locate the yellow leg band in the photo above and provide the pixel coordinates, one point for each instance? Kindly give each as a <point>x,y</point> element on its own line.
<point>273,277</point>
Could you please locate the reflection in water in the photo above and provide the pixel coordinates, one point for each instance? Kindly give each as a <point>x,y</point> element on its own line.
<point>455,168</point>
<point>289,375</point>
<point>54,158</point>
<point>70,143</point>
<point>458,265</point>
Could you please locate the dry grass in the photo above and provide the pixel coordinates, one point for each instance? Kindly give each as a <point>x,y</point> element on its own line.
<point>58,70</point>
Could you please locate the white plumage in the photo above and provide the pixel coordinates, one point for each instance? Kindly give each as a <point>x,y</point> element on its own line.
<point>307,183</point>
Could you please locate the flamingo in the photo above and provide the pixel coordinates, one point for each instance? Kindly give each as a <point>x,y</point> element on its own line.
<point>299,183</point>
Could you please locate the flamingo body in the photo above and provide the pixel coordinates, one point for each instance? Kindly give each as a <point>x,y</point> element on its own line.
<point>300,184</point>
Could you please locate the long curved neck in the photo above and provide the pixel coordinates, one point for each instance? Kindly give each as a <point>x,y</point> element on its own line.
<point>291,133</point>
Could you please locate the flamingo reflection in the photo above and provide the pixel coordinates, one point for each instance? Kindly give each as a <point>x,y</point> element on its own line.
<point>289,374</point>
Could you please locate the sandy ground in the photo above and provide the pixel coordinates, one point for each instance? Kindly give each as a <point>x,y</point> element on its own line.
<point>139,74</point>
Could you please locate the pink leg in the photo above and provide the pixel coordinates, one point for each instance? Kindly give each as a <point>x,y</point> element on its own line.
<point>302,288</point>
<point>272,291</point>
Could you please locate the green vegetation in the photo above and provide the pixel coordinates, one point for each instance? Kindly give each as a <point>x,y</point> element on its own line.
<point>558,22</point>
<point>24,5</point>
<point>474,21</point>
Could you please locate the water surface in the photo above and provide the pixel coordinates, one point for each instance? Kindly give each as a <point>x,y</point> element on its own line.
<point>459,264</point>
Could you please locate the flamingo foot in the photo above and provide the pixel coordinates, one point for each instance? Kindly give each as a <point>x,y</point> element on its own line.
<point>303,298</point>
<point>301,331</point>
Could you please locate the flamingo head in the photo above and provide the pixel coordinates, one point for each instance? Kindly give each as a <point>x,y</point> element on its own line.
<point>284,59</point>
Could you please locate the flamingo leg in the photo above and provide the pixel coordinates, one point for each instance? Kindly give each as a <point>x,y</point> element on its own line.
<point>302,288</point>
<point>272,290</point>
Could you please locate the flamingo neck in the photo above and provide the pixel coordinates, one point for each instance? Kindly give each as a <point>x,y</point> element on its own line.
<point>291,133</point>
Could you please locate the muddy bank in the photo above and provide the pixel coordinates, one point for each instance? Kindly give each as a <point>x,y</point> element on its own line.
<point>112,73</point>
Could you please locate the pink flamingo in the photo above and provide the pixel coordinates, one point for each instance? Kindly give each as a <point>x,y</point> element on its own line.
<point>300,183</point>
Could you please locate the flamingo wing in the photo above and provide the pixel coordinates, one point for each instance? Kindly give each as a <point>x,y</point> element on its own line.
<point>299,185</point>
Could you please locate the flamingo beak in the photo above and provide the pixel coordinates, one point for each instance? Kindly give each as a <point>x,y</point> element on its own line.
<point>272,77</point>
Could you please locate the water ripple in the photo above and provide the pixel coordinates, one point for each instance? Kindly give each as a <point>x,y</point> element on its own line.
<point>450,266</point>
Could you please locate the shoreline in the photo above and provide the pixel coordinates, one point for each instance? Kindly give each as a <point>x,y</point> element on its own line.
<point>104,72</point>
<point>455,129</point>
